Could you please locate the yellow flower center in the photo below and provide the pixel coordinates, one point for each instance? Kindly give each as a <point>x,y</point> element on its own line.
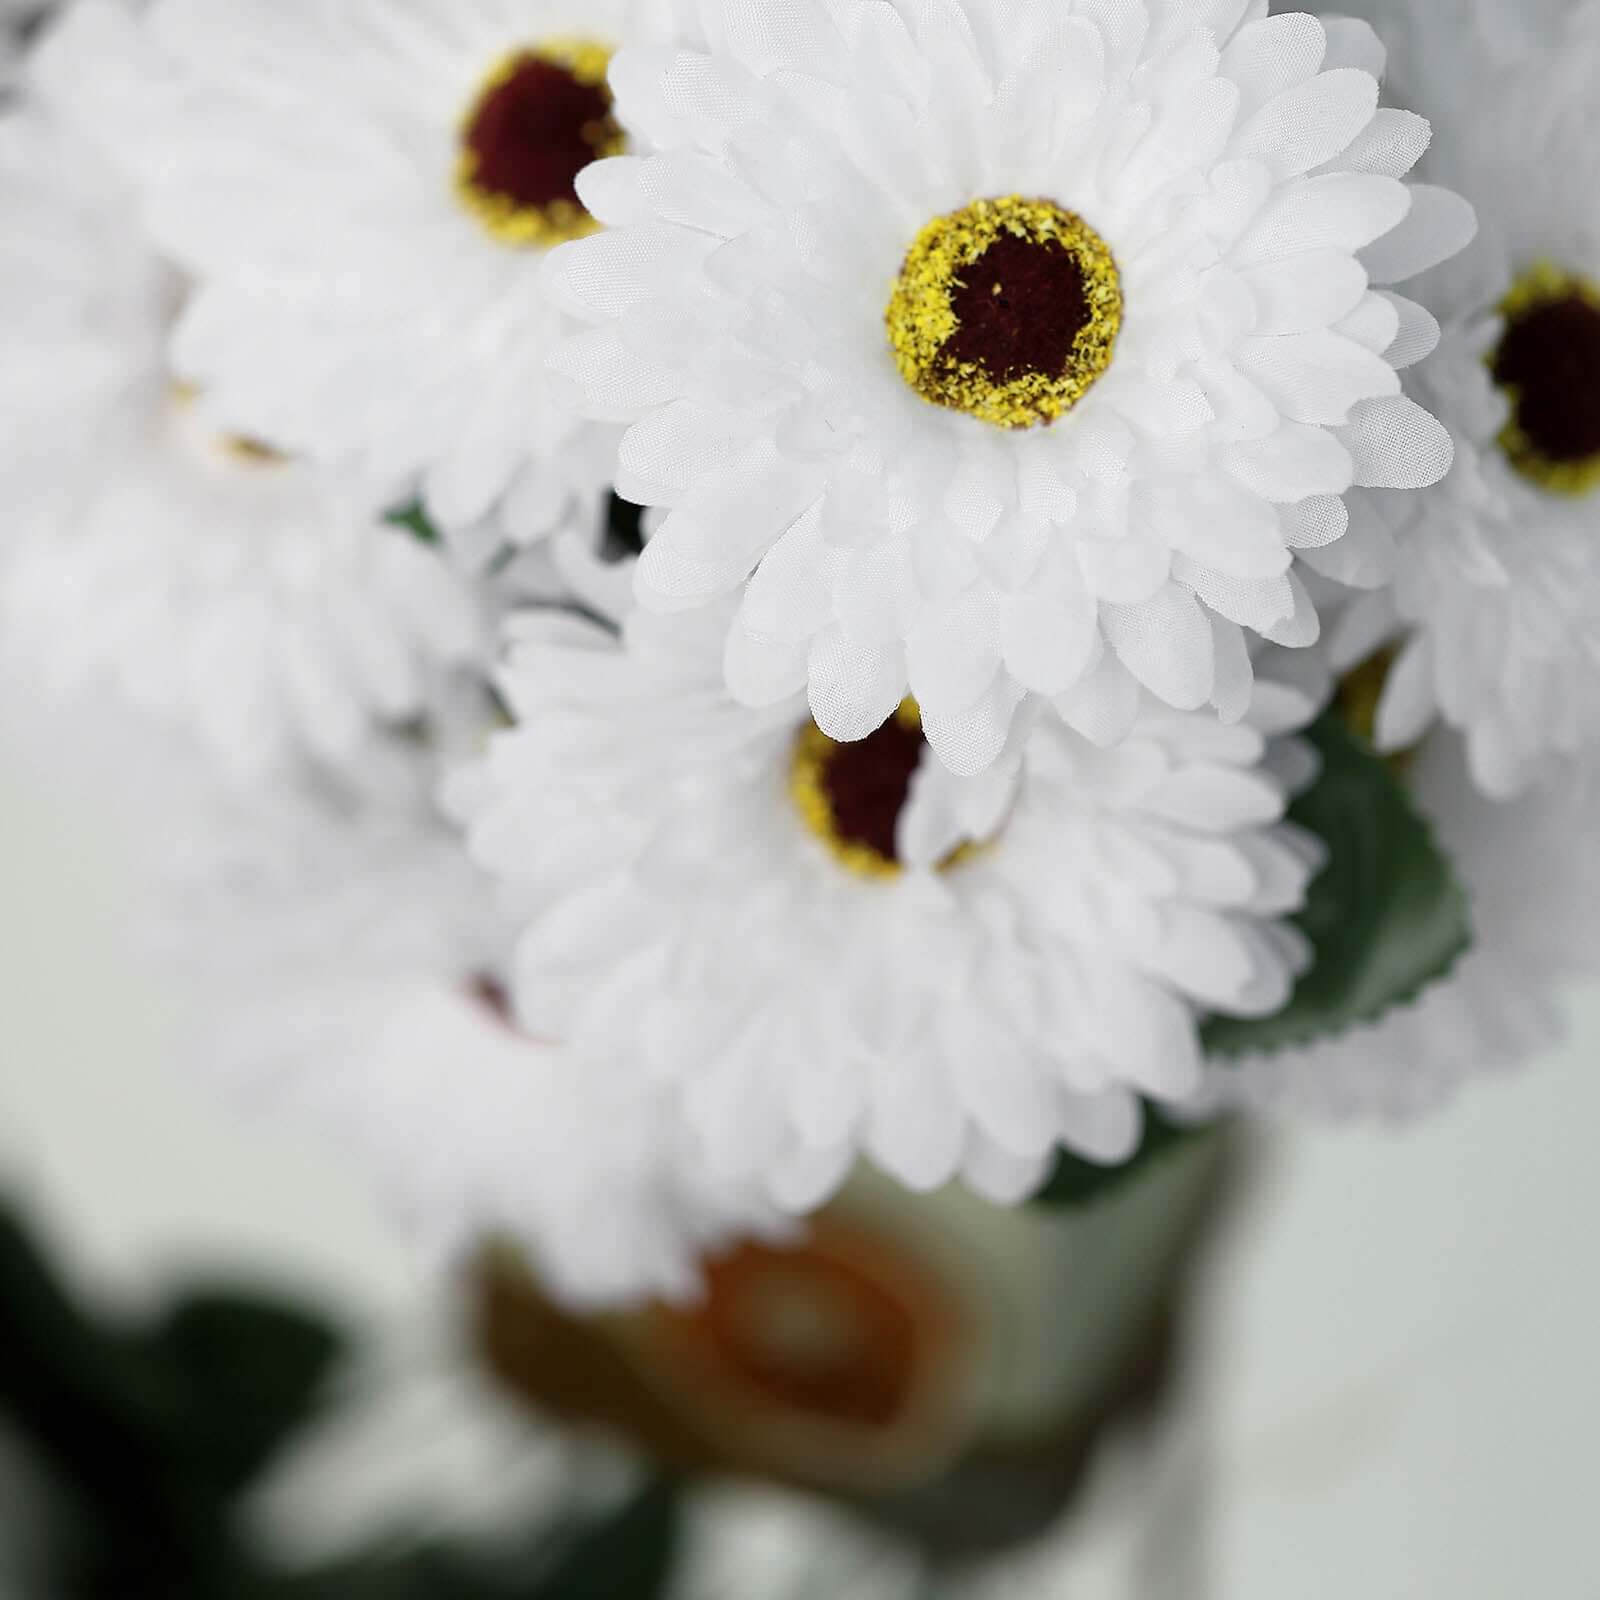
<point>1007,309</point>
<point>1548,364</point>
<point>235,446</point>
<point>1357,697</point>
<point>540,118</point>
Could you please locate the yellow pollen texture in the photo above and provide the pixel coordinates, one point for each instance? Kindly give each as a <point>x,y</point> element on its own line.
<point>1008,309</point>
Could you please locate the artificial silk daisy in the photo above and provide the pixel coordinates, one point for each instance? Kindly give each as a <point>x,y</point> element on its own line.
<point>1532,877</point>
<point>195,576</point>
<point>365,193</point>
<point>1494,608</point>
<point>829,947</point>
<point>1004,350</point>
<point>351,962</point>
<point>1491,611</point>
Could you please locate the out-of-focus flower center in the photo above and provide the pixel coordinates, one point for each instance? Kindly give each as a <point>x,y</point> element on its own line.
<point>236,447</point>
<point>1360,691</point>
<point>1359,694</point>
<point>252,451</point>
<point>811,1332</point>
<point>541,117</point>
<point>1007,309</point>
<point>489,992</point>
<point>851,794</point>
<point>1548,364</point>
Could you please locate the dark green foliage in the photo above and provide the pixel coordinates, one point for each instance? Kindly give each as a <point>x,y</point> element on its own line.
<point>1386,916</point>
<point>144,1438</point>
<point>415,520</point>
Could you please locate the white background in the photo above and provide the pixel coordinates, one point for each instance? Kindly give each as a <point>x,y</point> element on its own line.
<point>1394,1391</point>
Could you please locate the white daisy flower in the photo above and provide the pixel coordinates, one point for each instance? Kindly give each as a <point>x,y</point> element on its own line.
<point>1493,607</point>
<point>838,947</point>
<point>1531,869</point>
<point>365,192</point>
<point>1495,604</point>
<point>1014,349</point>
<point>196,577</point>
<point>350,959</point>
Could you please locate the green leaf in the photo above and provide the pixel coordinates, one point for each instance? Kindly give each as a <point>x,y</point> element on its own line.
<point>249,1371</point>
<point>415,520</point>
<point>628,1556</point>
<point>1076,1182</point>
<point>1386,916</point>
<point>106,1416</point>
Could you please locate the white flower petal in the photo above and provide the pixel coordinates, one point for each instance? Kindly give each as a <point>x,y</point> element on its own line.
<point>1439,224</point>
<point>1310,123</point>
<point>1395,444</point>
<point>854,688</point>
<point>1166,644</point>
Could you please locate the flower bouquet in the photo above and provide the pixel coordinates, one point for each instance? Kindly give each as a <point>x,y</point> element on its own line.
<point>781,656</point>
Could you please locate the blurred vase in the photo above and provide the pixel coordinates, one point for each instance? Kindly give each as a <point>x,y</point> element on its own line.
<point>941,1365</point>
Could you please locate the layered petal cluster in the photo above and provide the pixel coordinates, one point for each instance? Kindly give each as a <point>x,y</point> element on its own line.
<point>1490,596</point>
<point>187,574</point>
<point>1508,91</point>
<point>351,962</point>
<point>1005,966</point>
<point>304,162</point>
<point>1494,604</point>
<point>1532,871</point>
<point>1251,193</point>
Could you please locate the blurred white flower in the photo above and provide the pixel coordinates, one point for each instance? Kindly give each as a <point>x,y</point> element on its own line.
<point>832,948</point>
<point>350,958</point>
<point>187,576</point>
<point>748,1543</point>
<point>1015,349</point>
<point>1494,597</point>
<point>1495,600</point>
<point>416,1444</point>
<point>365,193</point>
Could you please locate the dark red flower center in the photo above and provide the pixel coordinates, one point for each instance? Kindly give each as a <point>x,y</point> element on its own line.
<point>868,782</point>
<point>1549,362</point>
<point>1019,309</point>
<point>535,129</point>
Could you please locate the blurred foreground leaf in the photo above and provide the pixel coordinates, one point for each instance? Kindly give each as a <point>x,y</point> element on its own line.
<point>146,1437</point>
<point>628,1556</point>
<point>252,1371</point>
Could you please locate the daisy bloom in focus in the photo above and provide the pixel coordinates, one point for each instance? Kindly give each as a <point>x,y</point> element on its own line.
<point>1492,604</point>
<point>1004,351</point>
<point>829,948</point>
<point>195,576</point>
<point>365,193</point>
